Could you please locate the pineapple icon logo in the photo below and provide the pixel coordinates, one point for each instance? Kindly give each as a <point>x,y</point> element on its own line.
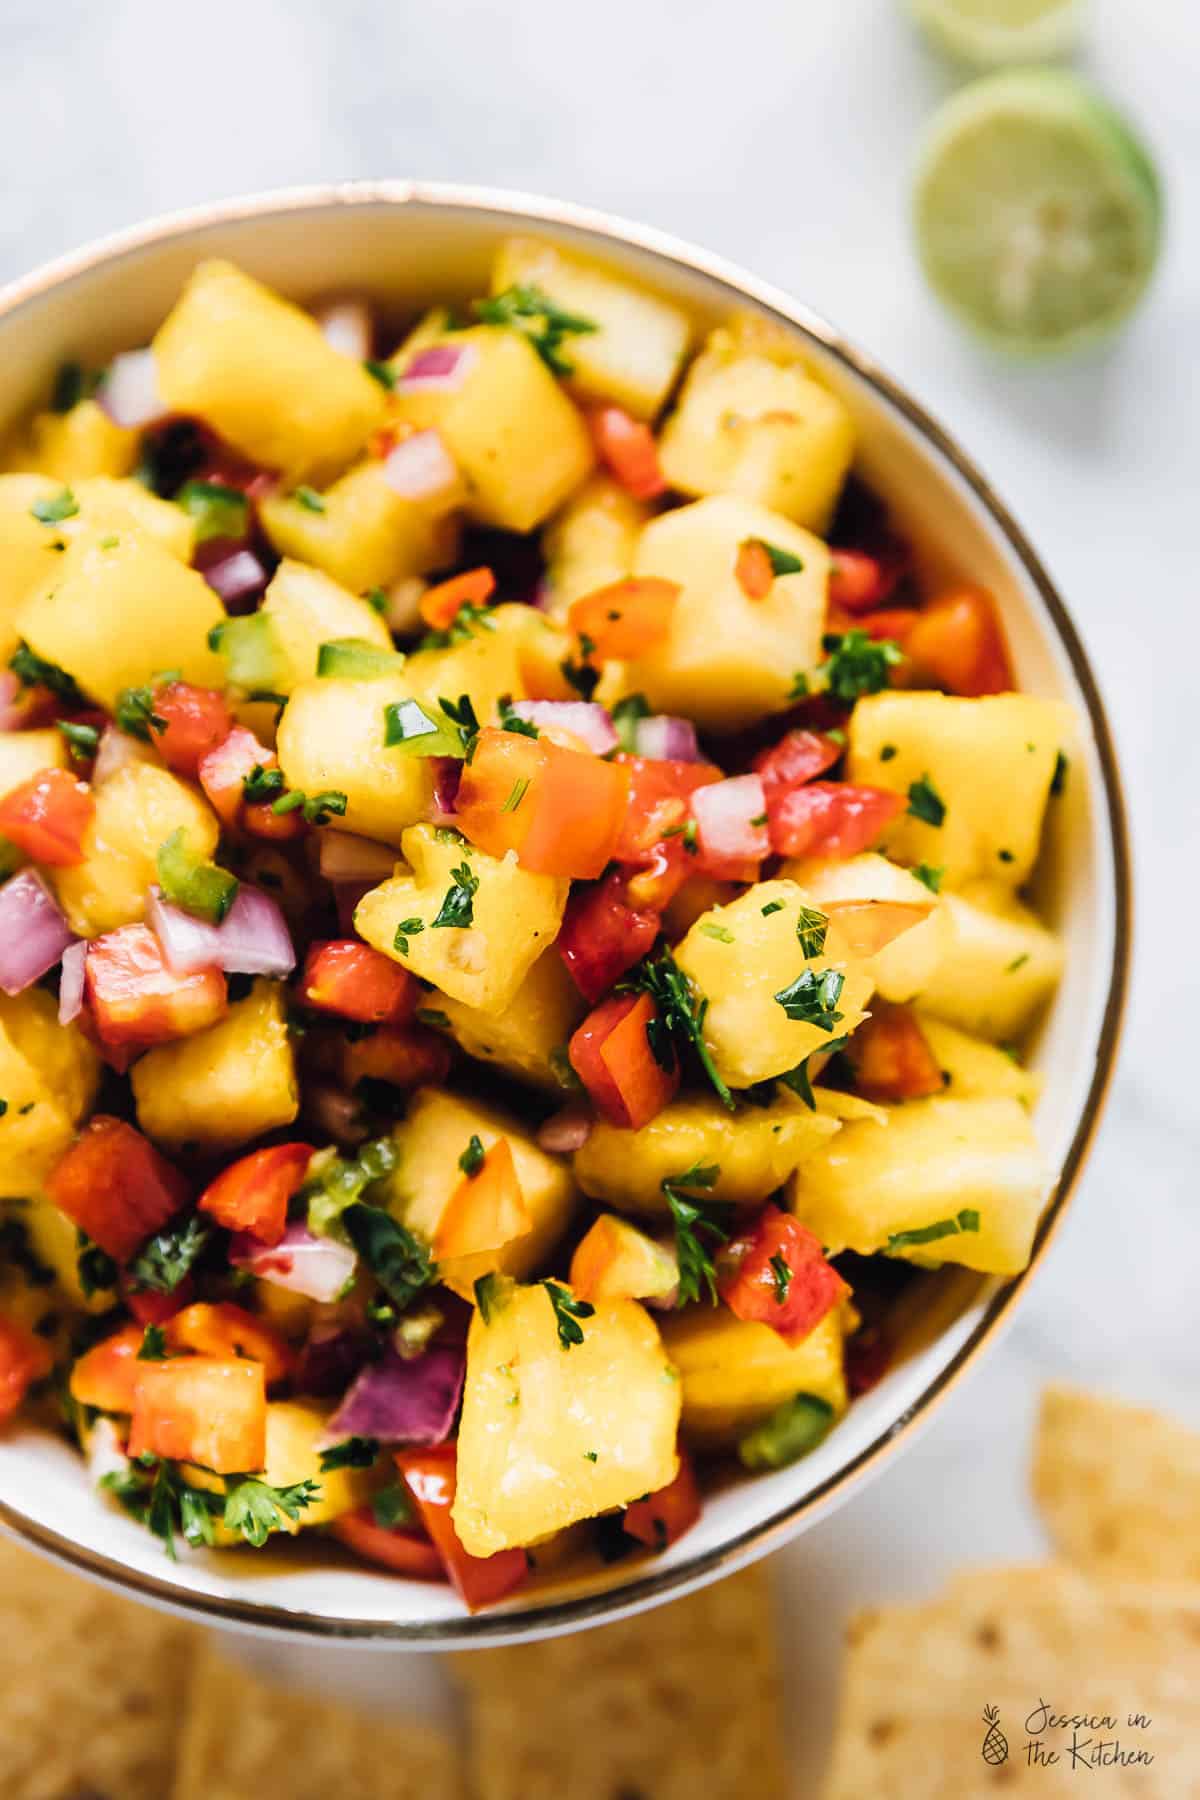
<point>995,1744</point>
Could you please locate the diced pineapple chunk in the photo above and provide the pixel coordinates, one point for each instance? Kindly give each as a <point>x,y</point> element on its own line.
<point>740,958</point>
<point>515,916</point>
<point>639,343</point>
<point>592,542</point>
<point>61,1055</point>
<point>975,1070</point>
<point>223,1086</point>
<point>542,646</point>
<point>296,1432</point>
<point>529,1038</point>
<point>958,1181</point>
<point>25,753</point>
<point>754,1150</point>
<point>906,965</point>
<point>484,666</point>
<point>27,553</point>
<point>72,445</point>
<point>735,1372</point>
<point>306,610</point>
<point>137,809</point>
<point>54,1240</point>
<point>331,737</point>
<point>114,613</point>
<point>366,535</point>
<point>729,660</point>
<point>1000,966</point>
<point>108,507</point>
<point>258,371</point>
<point>35,1128</point>
<point>749,424</point>
<point>437,1129</point>
<point>520,444</point>
<point>552,1434</point>
<point>990,762</point>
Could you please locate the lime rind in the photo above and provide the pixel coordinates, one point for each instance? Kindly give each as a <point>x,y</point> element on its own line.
<point>991,33</point>
<point>1038,212</point>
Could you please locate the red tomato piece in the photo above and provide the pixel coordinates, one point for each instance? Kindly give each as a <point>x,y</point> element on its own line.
<point>611,1054</point>
<point>859,582</point>
<point>561,811</point>
<point>115,1186</point>
<point>659,796</point>
<point>196,719</point>
<point>957,641</point>
<point>625,619</point>
<point>431,1477</point>
<point>149,1307</point>
<point>252,1194</point>
<point>397,1547</point>
<point>602,934</point>
<point>891,1056</point>
<point>201,1409</point>
<point>106,1375</point>
<point>799,756</point>
<point>349,978</point>
<point>406,1057</point>
<point>225,1331</point>
<point>24,1359</point>
<point>440,605</point>
<point>661,1518</point>
<point>138,1000</point>
<point>775,1272</point>
<point>668,868</point>
<point>829,818</point>
<point>223,771</point>
<point>629,451</point>
<point>47,817</point>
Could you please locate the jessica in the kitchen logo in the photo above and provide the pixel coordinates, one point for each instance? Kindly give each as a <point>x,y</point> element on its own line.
<point>1079,1741</point>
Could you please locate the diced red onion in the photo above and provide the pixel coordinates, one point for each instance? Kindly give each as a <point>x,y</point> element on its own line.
<point>331,1358</point>
<point>346,896</point>
<point>439,368</point>
<point>33,932</point>
<point>447,773</point>
<point>129,393</point>
<point>252,940</point>
<point>583,718</point>
<point>566,1130</point>
<point>344,857</point>
<point>666,739</point>
<point>317,1267</point>
<point>116,751</point>
<point>231,570</point>
<point>421,468</point>
<point>725,813</point>
<point>13,705</point>
<point>70,987</point>
<point>542,596</point>
<point>400,1400</point>
<point>346,327</point>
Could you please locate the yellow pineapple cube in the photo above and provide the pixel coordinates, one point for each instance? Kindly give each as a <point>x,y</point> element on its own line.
<point>485,665</point>
<point>54,1240</point>
<point>108,507</point>
<point>137,809</point>
<point>297,1431</point>
<point>1000,965</point>
<point>906,965</point>
<point>529,1038</point>
<point>593,541</point>
<point>974,1069</point>
<point>258,371</point>
<point>331,737</point>
<point>24,754</point>
<point>636,351</point>
<point>72,445</point>
<point>735,1372</point>
<point>35,1129</point>
<point>27,553</point>
<point>222,1087</point>
<point>60,1054</point>
<point>306,610</point>
<point>729,660</point>
<point>365,535</point>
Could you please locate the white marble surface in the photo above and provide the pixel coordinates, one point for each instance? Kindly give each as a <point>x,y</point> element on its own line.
<point>778,132</point>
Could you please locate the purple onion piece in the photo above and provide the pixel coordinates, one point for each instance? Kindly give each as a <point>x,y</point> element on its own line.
<point>33,932</point>
<point>403,1402</point>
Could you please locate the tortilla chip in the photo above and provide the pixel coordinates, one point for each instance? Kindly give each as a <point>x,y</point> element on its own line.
<point>247,1739</point>
<point>91,1687</point>
<point>673,1704</point>
<point>913,1726</point>
<point>1118,1486</point>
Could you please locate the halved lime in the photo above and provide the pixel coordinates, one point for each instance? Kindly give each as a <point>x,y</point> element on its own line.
<point>1038,213</point>
<point>989,32</point>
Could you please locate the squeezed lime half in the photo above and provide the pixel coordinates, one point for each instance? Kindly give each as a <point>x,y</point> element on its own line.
<point>987,33</point>
<point>1038,212</point>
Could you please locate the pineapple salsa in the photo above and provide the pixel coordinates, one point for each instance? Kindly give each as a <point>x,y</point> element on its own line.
<point>511,936</point>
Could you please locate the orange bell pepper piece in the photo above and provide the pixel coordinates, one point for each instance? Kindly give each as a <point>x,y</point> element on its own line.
<point>106,1375</point>
<point>47,817</point>
<point>891,1057</point>
<point>24,1359</point>
<point>628,449</point>
<point>224,1331</point>
<point>441,605</point>
<point>201,1409</point>
<point>114,1185</point>
<point>611,1054</point>
<point>957,642</point>
<point>560,810</point>
<point>486,1209</point>
<point>625,619</point>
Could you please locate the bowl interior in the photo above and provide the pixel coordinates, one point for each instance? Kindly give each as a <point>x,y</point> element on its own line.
<point>402,246</point>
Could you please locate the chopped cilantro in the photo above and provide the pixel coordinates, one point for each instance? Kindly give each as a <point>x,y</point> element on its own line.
<point>154,1345</point>
<point>381,372</point>
<point>691,1223</point>
<point>781,1273</point>
<point>783,562</point>
<point>165,1503</point>
<point>931,877</point>
<point>399,1261</point>
<point>1018,962</point>
<point>799,1080</point>
<point>812,999</point>
<point>52,511</point>
<point>262,783</point>
<point>170,1254</point>
<point>461,714</point>
<point>811,927</point>
<point>887,753</point>
<point>329,804</point>
<point>34,671</point>
<point>582,677</point>
<point>1006,856</point>
<point>525,308</point>
<point>772,906</point>
<point>925,803</point>
<point>512,721</point>
<point>392,1506</point>
<point>351,1453</point>
<point>719,932</point>
<point>254,1509</point>
<point>461,629</point>
<point>135,714</point>
<point>516,794</point>
<point>679,1016</point>
<point>1058,780</point>
<point>857,663</point>
<point>625,716</point>
<point>567,1313</point>
<point>458,907</point>
<point>288,803</point>
<point>405,929</point>
<point>82,740</point>
<point>472,1158</point>
<point>800,689</point>
<point>72,384</point>
<point>309,499</point>
<point>966,1220</point>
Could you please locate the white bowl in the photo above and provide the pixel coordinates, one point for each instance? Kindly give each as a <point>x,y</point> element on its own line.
<point>403,244</point>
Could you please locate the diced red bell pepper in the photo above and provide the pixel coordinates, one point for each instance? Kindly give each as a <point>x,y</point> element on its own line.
<point>628,449</point>
<point>858,582</point>
<point>753,570</point>
<point>24,1359</point>
<point>625,619</point>
<point>661,1518</point>
<point>406,1057</point>
<point>486,1210</point>
<point>611,1054</point>
<point>48,816</point>
<point>829,818</point>
<point>252,1194</point>
<point>349,978</point>
<point>196,721</point>
<point>223,771</point>
<point>775,1272</point>
<point>957,641</point>
<point>115,1186</point>
<point>659,800</point>
<point>431,1476</point>
<point>440,605</point>
<point>400,1548</point>
<point>105,1376</point>
<point>602,935</point>
<point>891,1057</point>
<point>149,1307</point>
<point>798,757</point>
<point>668,867</point>
<point>225,1331</point>
<point>561,811</point>
<point>137,999</point>
<point>201,1409</point>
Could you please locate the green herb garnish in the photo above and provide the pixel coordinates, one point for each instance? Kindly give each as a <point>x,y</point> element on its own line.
<point>966,1220</point>
<point>525,308</point>
<point>170,1254</point>
<point>472,1158</point>
<point>309,499</point>
<point>154,1345</point>
<point>52,511</point>
<point>811,927</point>
<point>781,1274</point>
<point>925,803</point>
<point>679,1016</point>
<point>254,1509</point>
<point>691,1224</point>
<point>567,1313</point>
<point>458,907</point>
<point>399,1261</point>
<point>812,999</point>
<point>931,877</point>
<point>405,929</point>
<point>82,740</point>
<point>351,1453</point>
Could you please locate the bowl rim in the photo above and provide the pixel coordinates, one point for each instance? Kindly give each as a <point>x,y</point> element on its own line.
<point>648,1588</point>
